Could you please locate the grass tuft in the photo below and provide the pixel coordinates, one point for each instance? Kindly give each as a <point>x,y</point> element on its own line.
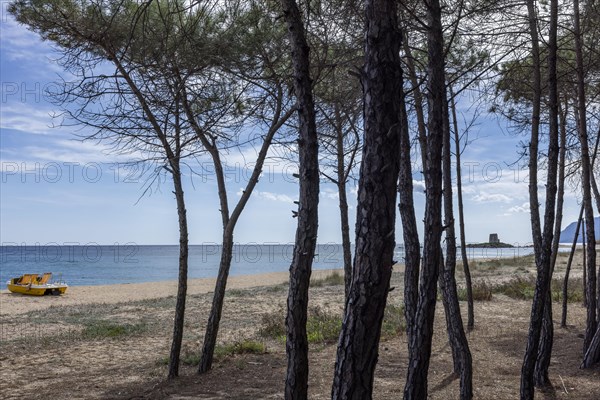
<point>241,347</point>
<point>323,326</point>
<point>104,329</point>
<point>394,323</point>
<point>524,288</point>
<point>482,291</point>
<point>334,279</point>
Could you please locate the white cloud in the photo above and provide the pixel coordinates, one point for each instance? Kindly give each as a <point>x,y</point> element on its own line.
<point>271,196</point>
<point>19,43</point>
<point>523,208</point>
<point>484,197</point>
<point>419,186</point>
<point>330,194</point>
<point>26,118</point>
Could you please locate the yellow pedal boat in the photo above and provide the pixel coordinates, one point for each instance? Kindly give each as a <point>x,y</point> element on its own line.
<point>35,285</point>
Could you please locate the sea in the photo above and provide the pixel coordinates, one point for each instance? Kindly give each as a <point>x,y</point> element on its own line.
<point>93,264</point>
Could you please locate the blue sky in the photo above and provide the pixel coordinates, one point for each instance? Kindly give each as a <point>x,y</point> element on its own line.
<point>57,189</point>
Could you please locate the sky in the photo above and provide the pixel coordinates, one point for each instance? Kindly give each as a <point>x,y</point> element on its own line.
<point>56,189</point>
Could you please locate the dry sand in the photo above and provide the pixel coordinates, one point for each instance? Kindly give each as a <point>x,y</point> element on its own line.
<point>11,303</point>
<point>72,365</point>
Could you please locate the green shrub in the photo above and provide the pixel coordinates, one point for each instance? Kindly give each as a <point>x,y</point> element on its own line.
<point>574,290</point>
<point>323,326</point>
<point>273,324</point>
<point>190,359</point>
<point>517,288</point>
<point>524,289</point>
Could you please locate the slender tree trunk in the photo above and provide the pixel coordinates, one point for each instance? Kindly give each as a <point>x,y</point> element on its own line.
<point>412,246</point>
<point>417,96</point>
<point>542,242</point>
<point>214,319</point>
<point>461,219</point>
<point>381,80</point>
<point>565,288</point>
<point>456,333</point>
<point>229,223</point>
<point>536,229</point>
<point>343,202</point>
<point>527,383</point>
<point>586,186</point>
<point>296,382</point>
<point>593,178</point>
<point>346,245</point>
<point>421,336</point>
<point>542,363</point>
<point>584,255</point>
<point>183,271</point>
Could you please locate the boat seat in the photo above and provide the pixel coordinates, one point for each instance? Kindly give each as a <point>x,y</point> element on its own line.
<point>26,279</point>
<point>45,278</point>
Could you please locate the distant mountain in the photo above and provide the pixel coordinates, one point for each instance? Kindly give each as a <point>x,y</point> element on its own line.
<point>566,236</point>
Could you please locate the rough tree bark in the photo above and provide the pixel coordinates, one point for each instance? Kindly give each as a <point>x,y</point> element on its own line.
<point>591,321</point>
<point>542,240</point>
<point>296,382</point>
<point>458,340</point>
<point>542,363</point>
<point>412,246</point>
<point>381,80</point>
<point>422,329</point>
<point>541,378</point>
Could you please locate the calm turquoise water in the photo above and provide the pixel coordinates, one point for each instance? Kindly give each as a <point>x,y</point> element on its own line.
<point>93,264</point>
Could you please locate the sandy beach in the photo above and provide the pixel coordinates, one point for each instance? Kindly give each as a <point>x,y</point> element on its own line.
<point>13,304</point>
<point>113,342</point>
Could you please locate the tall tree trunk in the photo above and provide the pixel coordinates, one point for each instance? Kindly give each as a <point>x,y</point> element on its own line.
<point>591,321</point>
<point>527,383</point>
<point>543,243</point>
<point>456,333</point>
<point>183,271</point>
<point>342,178</point>
<point>422,330</point>
<point>381,80</point>
<point>542,363</point>
<point>296,382</point>
<point>534,206</point>
<point>229,223</point>
<point>412,246</point>
<point>461,219</point>
<point>565,288</point>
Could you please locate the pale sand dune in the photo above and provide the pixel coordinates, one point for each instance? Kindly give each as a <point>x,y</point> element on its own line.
<point>11,303</point>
